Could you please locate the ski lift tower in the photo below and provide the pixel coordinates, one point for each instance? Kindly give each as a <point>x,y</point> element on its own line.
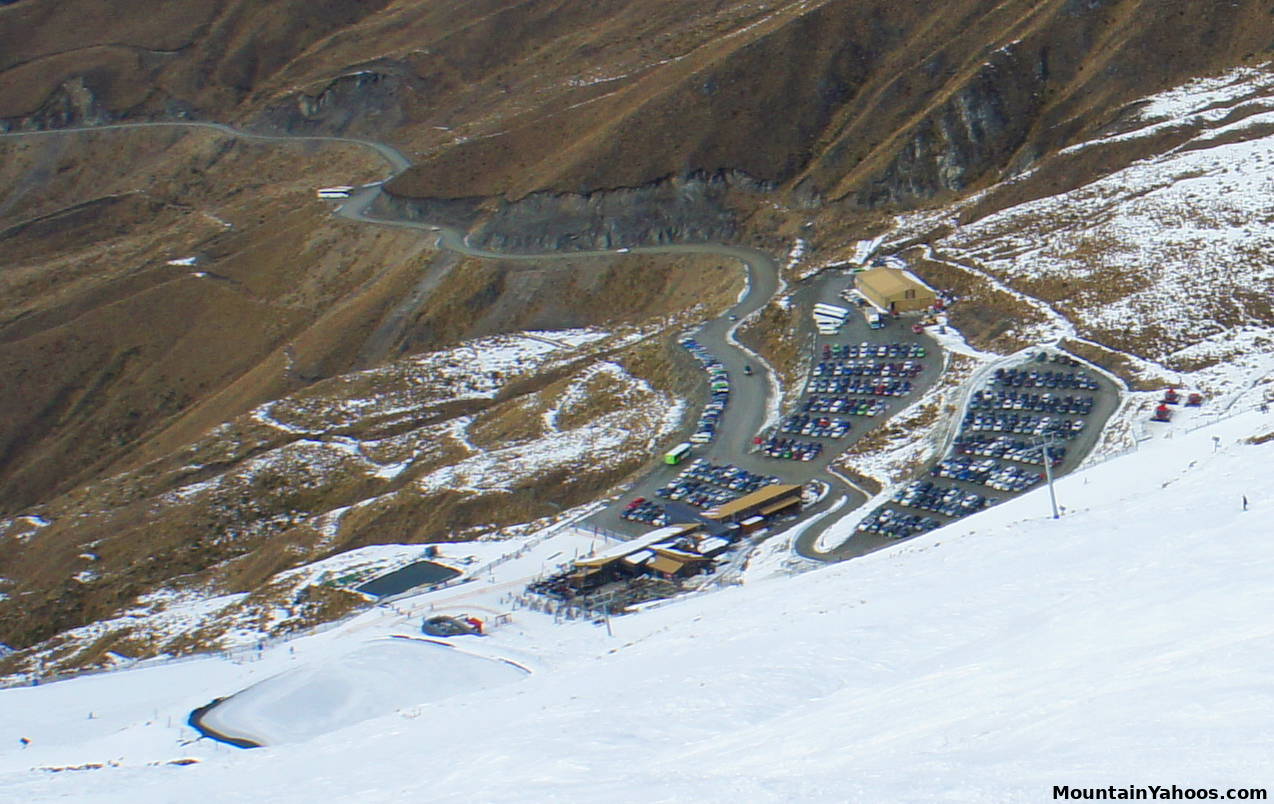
<point>1045,441</point>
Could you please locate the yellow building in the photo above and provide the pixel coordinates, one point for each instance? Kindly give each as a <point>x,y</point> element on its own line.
<point>894,291</point>
<point>765,501</point>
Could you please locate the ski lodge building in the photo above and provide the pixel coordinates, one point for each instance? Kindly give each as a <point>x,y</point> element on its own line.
<point>682,550</point>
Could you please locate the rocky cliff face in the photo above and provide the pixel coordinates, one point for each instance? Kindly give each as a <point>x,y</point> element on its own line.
<point>364,103</point>
<point>674,211</point>
<point>207,56</point>
<point>71,104</point>
<point>695,209</point>
<point>977,130</point>
<point>161,290</point>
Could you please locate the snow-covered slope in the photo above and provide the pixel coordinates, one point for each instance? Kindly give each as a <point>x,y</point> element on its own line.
<point>371,680</point>
<point>1160,263</point>
<point>1126,643</point>
<point>449,444</point>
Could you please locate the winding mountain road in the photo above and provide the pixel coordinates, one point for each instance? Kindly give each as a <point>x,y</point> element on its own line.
<point>751,400</point>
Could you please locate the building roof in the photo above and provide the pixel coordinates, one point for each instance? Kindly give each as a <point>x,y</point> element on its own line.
<point>778,506</point>
<point>920,282</point>
<point>665,564</point>
<point>748,501</point>
<point>890,281</point>
<point>618,551</point>
<point>713,544</point>
<point>639,557</point>
<point>679,555</point>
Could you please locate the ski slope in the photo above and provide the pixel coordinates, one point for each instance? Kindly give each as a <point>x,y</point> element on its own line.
<point>1127,643</point>
<point>374,679</point>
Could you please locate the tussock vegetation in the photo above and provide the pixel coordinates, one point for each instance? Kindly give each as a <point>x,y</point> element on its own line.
<point>520,420</point>
<point>989,318</point>
<point>114,356</point>
<point>137,417</point>
<point>778,335</point>
<point>1156,246</point>
<point>1115,362</point>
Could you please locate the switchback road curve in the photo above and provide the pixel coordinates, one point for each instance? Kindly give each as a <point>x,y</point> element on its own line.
<point>750,402</point>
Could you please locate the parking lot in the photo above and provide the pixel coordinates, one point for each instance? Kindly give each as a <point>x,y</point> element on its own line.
<point>862,374</point>
<point>724,476</point>
<point>866,375</point>
<point>718,388</point>
<point>851,387</point>
<point>700,485</point>
<point>1049,402</point>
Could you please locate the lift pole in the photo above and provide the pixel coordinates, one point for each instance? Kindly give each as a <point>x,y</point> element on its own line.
<point>1048,472</point>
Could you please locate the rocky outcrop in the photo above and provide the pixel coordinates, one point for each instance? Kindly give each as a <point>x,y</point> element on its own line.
<point>456,213</point>
<point>694,209</point>
<point>71,104</point>
<point>976,130</point>
<point>679,210</point>
<point>363,103</point>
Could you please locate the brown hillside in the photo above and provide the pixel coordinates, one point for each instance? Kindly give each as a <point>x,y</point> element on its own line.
<point>883,103</point>
<point>104,344</point>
